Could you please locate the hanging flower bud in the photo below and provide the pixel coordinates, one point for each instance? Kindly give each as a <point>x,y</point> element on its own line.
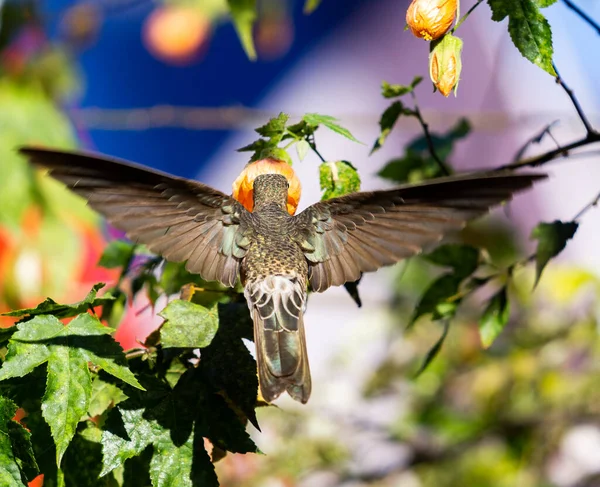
<point>431,19</point>
<point>445,64</point>
<point>243,186</point>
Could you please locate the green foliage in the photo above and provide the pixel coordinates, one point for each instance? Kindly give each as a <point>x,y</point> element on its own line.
<point>51,307</point>
<point>528,28</point>
<point>311,5</point>
<point>243,13</point>
<point>552,239</point>
<point>337,179</point>
<point>277,130</point>
<point>494,318</point>
<point>16,454</point>
<point>392,91</point>
<point>188,325</point>
<point>417,163</point>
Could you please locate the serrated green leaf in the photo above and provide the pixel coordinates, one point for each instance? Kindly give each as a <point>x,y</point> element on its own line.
<point>435,299</point>
<point>274,127</point>
<point>552,239</point>
<point>187,325</point>
<point>10,473</point>
<point>171,465</point>
<point>83,460</point>
<point>310,6</point>
<point>545,3</point>
<point>392,91</point>
<point>22,449</point>
<point>495,317</point>
<point>126,434</point>
<point>529,30</point>
<point>243,13</point>
<point>228,363</point>
<point>117,253</point>
<point>433,351</point>
<point>68,389</point>
<point>337,179</point>
<point>51,307</point>
<point>22,359</point>
<point>463,259</point>
<point>386,123</point>
<point>104,395</point>
<point>302,147</point>
<point>329,122</point>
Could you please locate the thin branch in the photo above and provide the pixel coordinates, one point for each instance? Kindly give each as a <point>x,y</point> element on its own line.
<point>564,151</point>
<point>428,138</point>
<point>588,126</point>
<point>583,15</point>
<point>587,207</point>
<point>464,17</point>
<point>536,139</point>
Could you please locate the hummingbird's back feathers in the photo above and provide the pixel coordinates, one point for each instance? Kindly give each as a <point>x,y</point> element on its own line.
<point>277,306</point>
<point>361,232</point>
<point>177,218</point>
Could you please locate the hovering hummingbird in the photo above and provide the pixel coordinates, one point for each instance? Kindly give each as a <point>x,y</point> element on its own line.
<point>277,255</point>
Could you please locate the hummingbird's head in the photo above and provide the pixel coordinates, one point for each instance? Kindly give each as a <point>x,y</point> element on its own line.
<point>269,189</point>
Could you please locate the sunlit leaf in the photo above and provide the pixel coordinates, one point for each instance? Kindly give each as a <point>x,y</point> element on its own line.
<point>337,179</point>
<point>528,28</point>
<point>329,122</point>
<point>188,325</point>
<point>552,239</point>
<point>243,13</point>
<point>435,299</point>
<point>10,470</point>
<point>495,317</point>
<point>302,147</point>
<point>392,91</point>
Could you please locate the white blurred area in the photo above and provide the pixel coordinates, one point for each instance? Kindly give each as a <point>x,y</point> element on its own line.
<point>507,99</point>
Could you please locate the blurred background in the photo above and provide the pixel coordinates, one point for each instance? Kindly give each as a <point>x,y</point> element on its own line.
<point>167,84</point>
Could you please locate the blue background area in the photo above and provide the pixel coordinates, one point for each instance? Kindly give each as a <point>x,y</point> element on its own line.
<point>119,72</point>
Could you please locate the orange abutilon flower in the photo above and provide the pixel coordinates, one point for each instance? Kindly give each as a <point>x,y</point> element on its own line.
<point>431,19</point>
<point>243,186</point>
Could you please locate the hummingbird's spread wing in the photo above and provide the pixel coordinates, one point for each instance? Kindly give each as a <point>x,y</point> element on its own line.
<point>361,232</point>
<point>177,218</point>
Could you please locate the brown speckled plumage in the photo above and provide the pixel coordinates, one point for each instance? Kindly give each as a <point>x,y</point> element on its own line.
<point>276,254</point>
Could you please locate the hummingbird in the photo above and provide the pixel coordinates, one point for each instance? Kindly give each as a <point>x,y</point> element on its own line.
<point>276,255</point>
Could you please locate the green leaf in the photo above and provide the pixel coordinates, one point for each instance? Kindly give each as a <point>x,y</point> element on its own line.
<point>82,462</point>
<point>275,127</point>
<point>10,472</point>
<point>67,349</point>
<point>51,307</point>
<point>68,390</point>
<point>302,147</point>
<point>435,299</point>
<point>433,351</point>
<point>528,28</point>
<point>243,13</point>
<point>6,333</point>
<point>228,363</point>
<point>188,325</point>
<point>545,3</point>
<point>310,6</point>
<point>392,91</point>
<point>337,179</point>
<point>552,239</point>
<point>171,465</point>
<point>117,253</point>
<point>329,122</point>
<point>495,317</point>
<point>127,439</point>
<point>463,259</point>
<point>104,395</point>
<point>387,122</point>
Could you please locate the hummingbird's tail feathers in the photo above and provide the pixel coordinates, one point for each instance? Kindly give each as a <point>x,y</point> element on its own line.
<point>277,305</point>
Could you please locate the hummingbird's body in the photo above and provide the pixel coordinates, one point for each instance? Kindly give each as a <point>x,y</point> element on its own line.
<point>276,255</point>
